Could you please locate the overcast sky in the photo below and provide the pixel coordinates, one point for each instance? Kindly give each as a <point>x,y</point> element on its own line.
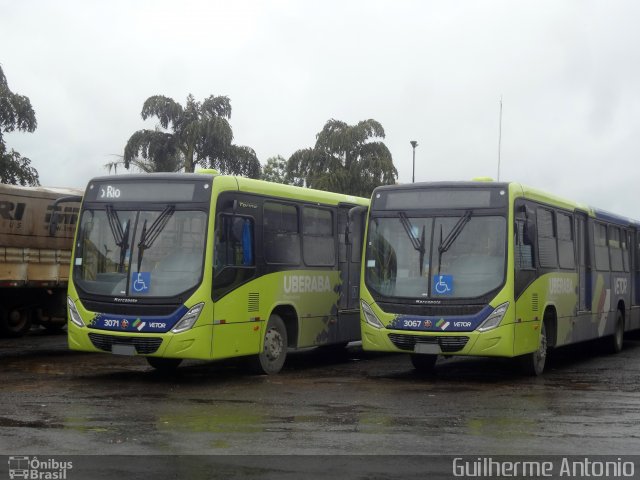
<point>568,73</point>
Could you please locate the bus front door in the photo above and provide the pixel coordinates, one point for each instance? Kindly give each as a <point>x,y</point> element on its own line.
<point>350,234</point>
<point>584,278</point>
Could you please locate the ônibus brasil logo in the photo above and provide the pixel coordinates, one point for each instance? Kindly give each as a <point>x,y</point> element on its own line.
<point>38,469</point>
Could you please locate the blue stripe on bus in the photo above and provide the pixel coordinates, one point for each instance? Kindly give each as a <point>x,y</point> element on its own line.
<point>137,323</point>
<point>441,323</point>
<point>613,218</point>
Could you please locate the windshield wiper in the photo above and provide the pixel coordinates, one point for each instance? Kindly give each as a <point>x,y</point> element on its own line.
<point>147,237</point>
<point>452,236</point>
<point>121,237</point>
<point>418,244</point>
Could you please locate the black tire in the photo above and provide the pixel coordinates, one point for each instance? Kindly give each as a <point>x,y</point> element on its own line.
<point>15,322</point>
<point>533,363</point>
<point>423,363</point>
<point>164,364</point>
<point>271,360</point>
<point>616,341</point>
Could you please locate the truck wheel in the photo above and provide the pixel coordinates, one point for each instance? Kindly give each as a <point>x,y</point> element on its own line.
<point>274,353</point>
<point>15,322</point>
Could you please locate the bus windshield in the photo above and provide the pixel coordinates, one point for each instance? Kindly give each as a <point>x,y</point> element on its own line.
<point>440,257</point>
<point>139,253</point>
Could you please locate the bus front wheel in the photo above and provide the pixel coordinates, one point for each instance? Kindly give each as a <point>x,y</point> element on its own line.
<point>423,363</point>
<point>274,352</point>
<point>533,363</point>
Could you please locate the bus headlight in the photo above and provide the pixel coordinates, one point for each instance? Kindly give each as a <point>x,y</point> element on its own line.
<point>494,319</point>
<point>188,319</point>
<point>74,315</point>
<point>370,317</point>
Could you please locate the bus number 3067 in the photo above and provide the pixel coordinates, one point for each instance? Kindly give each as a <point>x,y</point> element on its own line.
<point>412,323</point>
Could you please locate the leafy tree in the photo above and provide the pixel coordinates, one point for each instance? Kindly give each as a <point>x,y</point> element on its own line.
<point>344,159</point>
<point>275,170</point>
<point>16,113</point>
<point>200,135</point>
<point>237,160</point>
<point>16,169</point>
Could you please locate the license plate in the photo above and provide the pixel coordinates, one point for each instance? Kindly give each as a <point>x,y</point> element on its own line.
<point>428,348</point>
<point>117,349</point>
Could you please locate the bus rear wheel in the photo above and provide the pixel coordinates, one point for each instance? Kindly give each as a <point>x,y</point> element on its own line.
<point>271,360</point>
<point>616,341</point>
<point>533,363</point>
<point>423,363</point>
<point>164,364</point>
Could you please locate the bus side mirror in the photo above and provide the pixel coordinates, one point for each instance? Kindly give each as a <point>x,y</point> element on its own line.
<point>355,224</point>
<point>53,223</point>
<point>528,217</point>
<point>529,232</point>
<point>55,215</point>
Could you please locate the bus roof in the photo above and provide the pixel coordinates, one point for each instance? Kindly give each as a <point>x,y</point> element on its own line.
<point>300,193</point>
<point>230,182</point>
<point>520,190</point>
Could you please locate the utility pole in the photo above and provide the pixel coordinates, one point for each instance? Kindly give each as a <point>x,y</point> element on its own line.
<point>499,138</point>
<point>414,144</point>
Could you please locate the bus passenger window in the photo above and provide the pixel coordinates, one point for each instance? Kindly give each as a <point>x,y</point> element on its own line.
<point>547,238</point>
<point>318,243</point>
<point>601,248</point>
<point>566,252</point>
<point>615,249</point>
<point>281,234</point>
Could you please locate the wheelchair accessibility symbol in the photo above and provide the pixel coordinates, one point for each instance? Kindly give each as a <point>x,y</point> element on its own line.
<point>442,285</point>
<point>141,281</point>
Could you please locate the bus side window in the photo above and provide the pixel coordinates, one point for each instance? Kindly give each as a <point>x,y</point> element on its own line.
<point>523,248</point>
<point>281,234</point>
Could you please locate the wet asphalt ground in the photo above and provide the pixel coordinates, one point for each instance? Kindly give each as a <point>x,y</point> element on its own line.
<point>57,402</point>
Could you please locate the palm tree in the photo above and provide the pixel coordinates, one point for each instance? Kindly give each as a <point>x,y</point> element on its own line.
<point>200,135</point>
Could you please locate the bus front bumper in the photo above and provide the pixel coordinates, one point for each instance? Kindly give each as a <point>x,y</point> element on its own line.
<point>194,343</point>
<point>498,342</point>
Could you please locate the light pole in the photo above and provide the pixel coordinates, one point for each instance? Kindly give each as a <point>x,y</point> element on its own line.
<point>414,144</point>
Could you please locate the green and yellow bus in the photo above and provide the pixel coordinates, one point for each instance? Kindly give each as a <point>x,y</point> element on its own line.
<point>494,269</point>
<point>208,266</point>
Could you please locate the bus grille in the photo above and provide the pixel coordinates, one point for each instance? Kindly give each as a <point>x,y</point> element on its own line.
<point>447,344</point>
<point>142,345</point>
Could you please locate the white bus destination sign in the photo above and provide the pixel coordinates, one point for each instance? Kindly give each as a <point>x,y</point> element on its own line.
<point>148,192</point>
